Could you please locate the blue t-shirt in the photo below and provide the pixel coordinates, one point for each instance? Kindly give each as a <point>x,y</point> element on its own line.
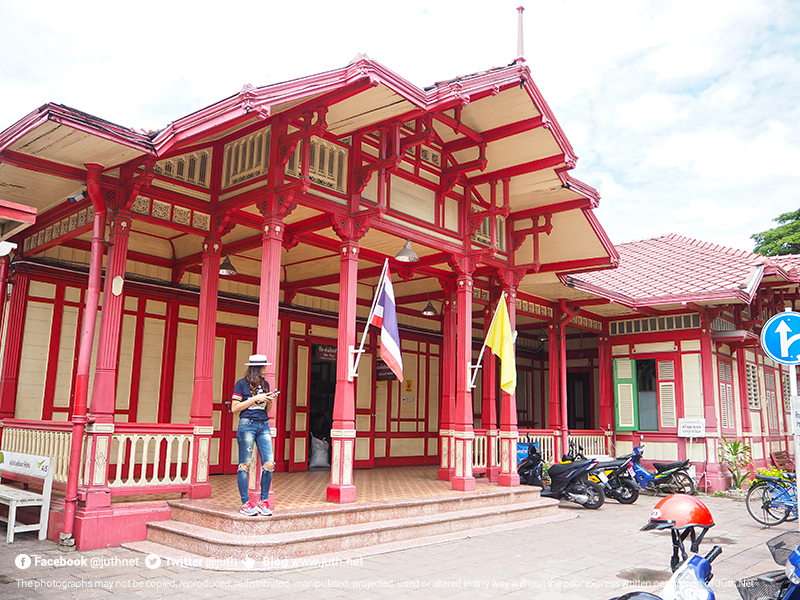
<point>242,392</point>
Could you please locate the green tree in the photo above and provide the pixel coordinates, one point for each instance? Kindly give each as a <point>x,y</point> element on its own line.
<point>784,239</point>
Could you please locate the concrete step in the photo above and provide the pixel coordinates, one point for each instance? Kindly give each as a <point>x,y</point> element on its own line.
<point>323,517</point>
<point>195,546</point>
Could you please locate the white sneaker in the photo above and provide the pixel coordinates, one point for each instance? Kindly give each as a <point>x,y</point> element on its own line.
<point>263,509</point>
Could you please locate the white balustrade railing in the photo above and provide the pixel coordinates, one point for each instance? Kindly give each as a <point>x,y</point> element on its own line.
<point>41,442</point>
<point>150,459</point>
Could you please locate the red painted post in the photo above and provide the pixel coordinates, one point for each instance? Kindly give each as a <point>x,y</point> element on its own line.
<point>509,434</point>
<point>101,408</point>
<point>66,541</point>
<point>203,392</point>
<point>267,339</point>
<point>446,449</point>
<point>343,433</point>
<point>3,287</point>
<point>463,432</point>
<point>562,363</point>
<point>489,400</point>
<point>13,346</point>
<point>606,383</point>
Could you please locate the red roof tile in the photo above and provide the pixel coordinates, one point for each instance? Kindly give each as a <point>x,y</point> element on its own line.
<point>672,268</point>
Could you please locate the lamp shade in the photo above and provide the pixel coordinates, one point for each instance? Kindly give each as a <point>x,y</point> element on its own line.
<point>407,254</point>
<point>226,268</point>
<point>429,310</point>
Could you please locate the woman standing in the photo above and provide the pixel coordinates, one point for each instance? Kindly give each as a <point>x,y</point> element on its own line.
<point>253,400</point>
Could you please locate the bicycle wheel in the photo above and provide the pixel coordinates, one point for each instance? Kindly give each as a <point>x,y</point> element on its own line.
<point>760,506</point>
<point>681,483</point>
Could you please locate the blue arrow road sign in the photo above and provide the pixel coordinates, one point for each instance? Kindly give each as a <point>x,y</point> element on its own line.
<point>780,338</point>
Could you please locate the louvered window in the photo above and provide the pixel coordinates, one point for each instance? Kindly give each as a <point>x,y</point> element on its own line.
<point>666,393</point>
<point>772,400</point>
<point>787,392</point>
<point>752,386</point>
<point>726,394</point>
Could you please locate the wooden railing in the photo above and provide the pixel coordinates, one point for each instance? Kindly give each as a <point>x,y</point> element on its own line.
<point>42,438</point>
<point>549,440</point>
<point>144,458</point>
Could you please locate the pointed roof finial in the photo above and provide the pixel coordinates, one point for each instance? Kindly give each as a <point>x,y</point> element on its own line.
<point>520,52</point>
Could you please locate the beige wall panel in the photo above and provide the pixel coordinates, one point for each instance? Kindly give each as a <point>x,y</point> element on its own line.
<point>380,448</point>
<point>433,446</point>
<point>32,369</point>
<point>66,354</point>
<point>412,199</point>
<point>407,447</point>
<point>155,307</point>
<point>324,332</point>
<point>410,409</point>
<point>184,372</point>
<point>381,406</point>
<point>362,449</point>
<point>131,303</point>
<point>187,312</point>
<point>433,395</point>
<point>125,362</point>
<point>409,345</point>
<point>660,451</point>
<point>150,380</point>
<point>690,346</point>
<point>39,289</point>
<point>226,318</point>
<point>451,214</point>
<point>72,294</point>
<point>364,383</point>
<point>407,427</point>
<point>692,386</point>
<point>219,372</point>
<point>301,385</point>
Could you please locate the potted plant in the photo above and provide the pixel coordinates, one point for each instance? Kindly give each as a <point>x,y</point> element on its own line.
<point>737,457</point>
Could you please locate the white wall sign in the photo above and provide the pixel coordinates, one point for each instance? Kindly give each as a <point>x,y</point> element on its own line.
<point>692,428</point>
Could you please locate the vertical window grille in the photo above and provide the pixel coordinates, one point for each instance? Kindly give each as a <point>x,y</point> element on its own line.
<point>787,392</point>
<point>752,386</point>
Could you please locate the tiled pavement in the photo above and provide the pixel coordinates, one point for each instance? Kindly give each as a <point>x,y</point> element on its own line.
<point>596,555</point>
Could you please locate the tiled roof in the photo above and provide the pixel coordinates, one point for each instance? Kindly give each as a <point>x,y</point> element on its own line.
<point>672,268</point>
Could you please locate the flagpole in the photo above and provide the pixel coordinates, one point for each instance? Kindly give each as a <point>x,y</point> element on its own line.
<point>477,366</point>
<point>354,365</point>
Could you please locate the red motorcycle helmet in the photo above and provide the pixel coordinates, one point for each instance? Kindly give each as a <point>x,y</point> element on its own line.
<point>679,511</point>
<point>680,514</point>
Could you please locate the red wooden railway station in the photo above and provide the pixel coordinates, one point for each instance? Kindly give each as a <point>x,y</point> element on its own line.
<point>149,266</point>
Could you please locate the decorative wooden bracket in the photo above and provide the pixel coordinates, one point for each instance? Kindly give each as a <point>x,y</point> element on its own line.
<point>350,228</point>
<point>475,219</point>
<point>134,187</point>
<point>248,99</point>
<point>288,142</point>
<point>518,237</point>
<point>426,136</point>
<point>224,224</point>
<point>391,145</point>
<point>451,175</point>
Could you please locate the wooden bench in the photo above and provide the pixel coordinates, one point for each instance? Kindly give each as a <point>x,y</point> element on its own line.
<point>782,460</point>
<point>30,467</point>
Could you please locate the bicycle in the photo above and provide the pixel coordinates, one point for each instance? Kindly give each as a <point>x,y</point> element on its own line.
<point>772,500</point>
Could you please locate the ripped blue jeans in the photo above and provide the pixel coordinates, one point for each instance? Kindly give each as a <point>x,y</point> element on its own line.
<point>254,433</point>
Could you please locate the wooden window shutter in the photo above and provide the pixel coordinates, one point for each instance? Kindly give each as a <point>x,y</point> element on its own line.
<point>626,394</point>
<point>666,393</point>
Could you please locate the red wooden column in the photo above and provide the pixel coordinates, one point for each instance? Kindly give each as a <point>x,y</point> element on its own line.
<point>203,392</point>
<point>554,414</point>
<point>3,287</point>
<point>13,346</point>
<point>489,400</point>
<point>343,433</point>
<point>104,391</point>
<point>463,432</point>
<point>267,340</point>
<point>606,383</point>
<point>448,409</point>
<point>715,477</point>
<point>509,434</point>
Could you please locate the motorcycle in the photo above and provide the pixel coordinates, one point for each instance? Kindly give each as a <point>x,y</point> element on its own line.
<point>568,481</point>
<point>612,475</point>
<point>776,585</point>
<point>669,478</point>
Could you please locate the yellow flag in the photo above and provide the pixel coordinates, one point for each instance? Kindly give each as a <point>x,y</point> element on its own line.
<point>500,339</point>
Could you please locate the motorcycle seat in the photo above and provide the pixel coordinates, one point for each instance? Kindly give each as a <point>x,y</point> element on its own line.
<point>611,464</point>
<point>671,465</point>
<point>562,467</point>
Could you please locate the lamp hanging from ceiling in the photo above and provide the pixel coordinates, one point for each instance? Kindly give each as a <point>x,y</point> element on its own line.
<point>429,310</point>
<point>407,254</point>
<point>226,268</point>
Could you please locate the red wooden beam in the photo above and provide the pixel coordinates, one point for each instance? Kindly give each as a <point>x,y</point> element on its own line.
<point>17,212</point>
<point>40,165</point>
<point>493,135</point>
<point>529,167</point>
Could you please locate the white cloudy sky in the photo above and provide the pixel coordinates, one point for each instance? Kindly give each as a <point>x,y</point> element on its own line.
<point>685,114</point>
